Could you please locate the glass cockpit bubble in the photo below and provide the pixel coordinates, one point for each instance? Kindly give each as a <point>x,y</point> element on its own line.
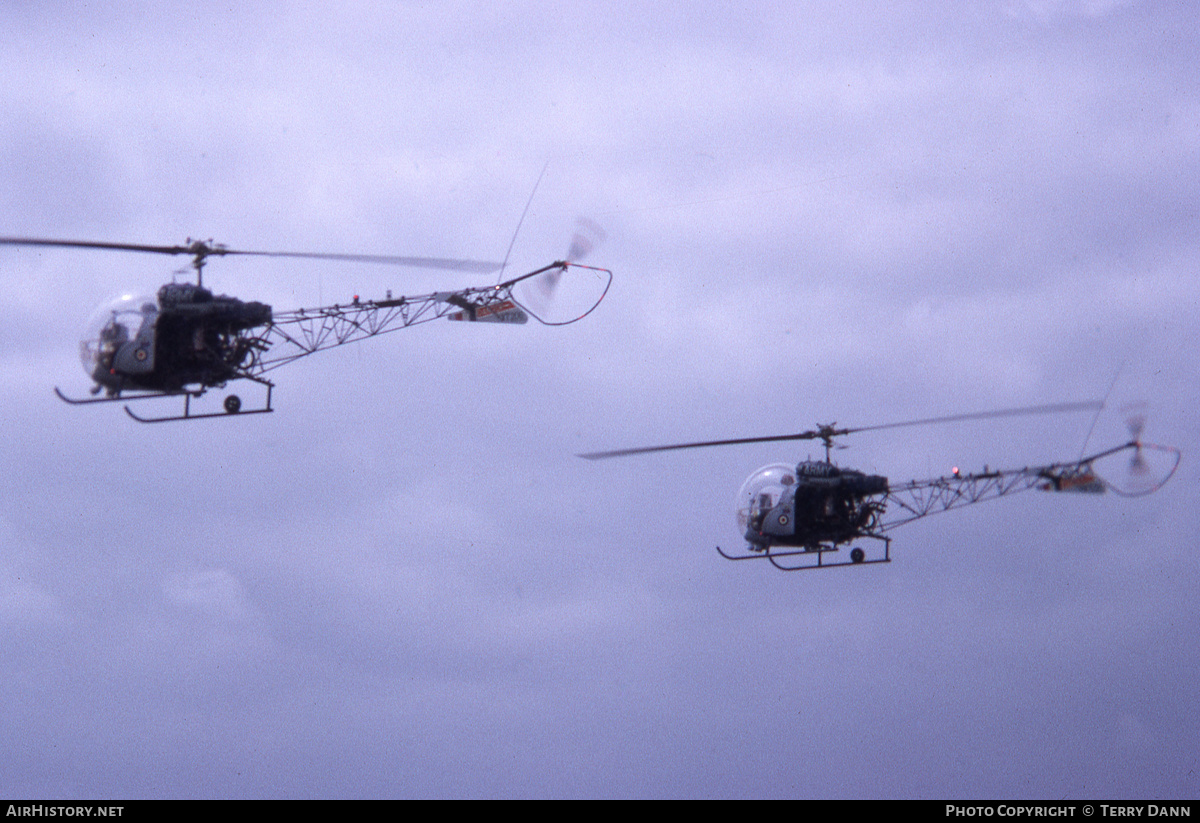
<point>114,323</point>
<point>762,491</point>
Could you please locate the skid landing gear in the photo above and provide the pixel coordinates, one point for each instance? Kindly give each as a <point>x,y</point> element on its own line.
<point>232,407</point>
<point>799,558</point>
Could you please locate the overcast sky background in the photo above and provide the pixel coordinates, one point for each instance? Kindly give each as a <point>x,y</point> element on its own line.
<point>403,583</point>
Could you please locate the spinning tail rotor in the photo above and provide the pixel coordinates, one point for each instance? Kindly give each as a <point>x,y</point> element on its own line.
<point>544,296</point>
<point>1137,463</point>
<point>1150,465</point>
<point>587,236</point>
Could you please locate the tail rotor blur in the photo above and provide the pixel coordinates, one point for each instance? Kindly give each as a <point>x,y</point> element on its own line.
<point>588,235</point>
<point>555,302</point>
<point>1150,465</point>
<point>1137,463</point>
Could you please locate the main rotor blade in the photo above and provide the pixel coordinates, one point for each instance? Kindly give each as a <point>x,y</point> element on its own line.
<point>1053,408</point>
<point>94,244</point>
<point>810,435</point>
<point>201,249</point>
<point>829,432</point>
<point>446,263</point>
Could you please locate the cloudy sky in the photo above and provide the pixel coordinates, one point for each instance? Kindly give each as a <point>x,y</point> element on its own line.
<point>404,583</point>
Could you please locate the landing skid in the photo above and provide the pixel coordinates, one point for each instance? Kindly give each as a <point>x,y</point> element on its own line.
<point>118,399</point>
<point>232,404</point>
<point>814,557</point>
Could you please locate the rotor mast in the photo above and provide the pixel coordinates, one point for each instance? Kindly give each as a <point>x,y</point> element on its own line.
<point>200,250</point>
<point>825,433</point>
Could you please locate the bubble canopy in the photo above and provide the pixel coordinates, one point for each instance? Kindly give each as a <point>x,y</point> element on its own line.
<point>116,322</point>
<point>762,491</point>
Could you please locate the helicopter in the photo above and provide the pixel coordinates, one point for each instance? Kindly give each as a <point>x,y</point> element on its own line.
<point>798,516</point>
<point>186,340</point>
